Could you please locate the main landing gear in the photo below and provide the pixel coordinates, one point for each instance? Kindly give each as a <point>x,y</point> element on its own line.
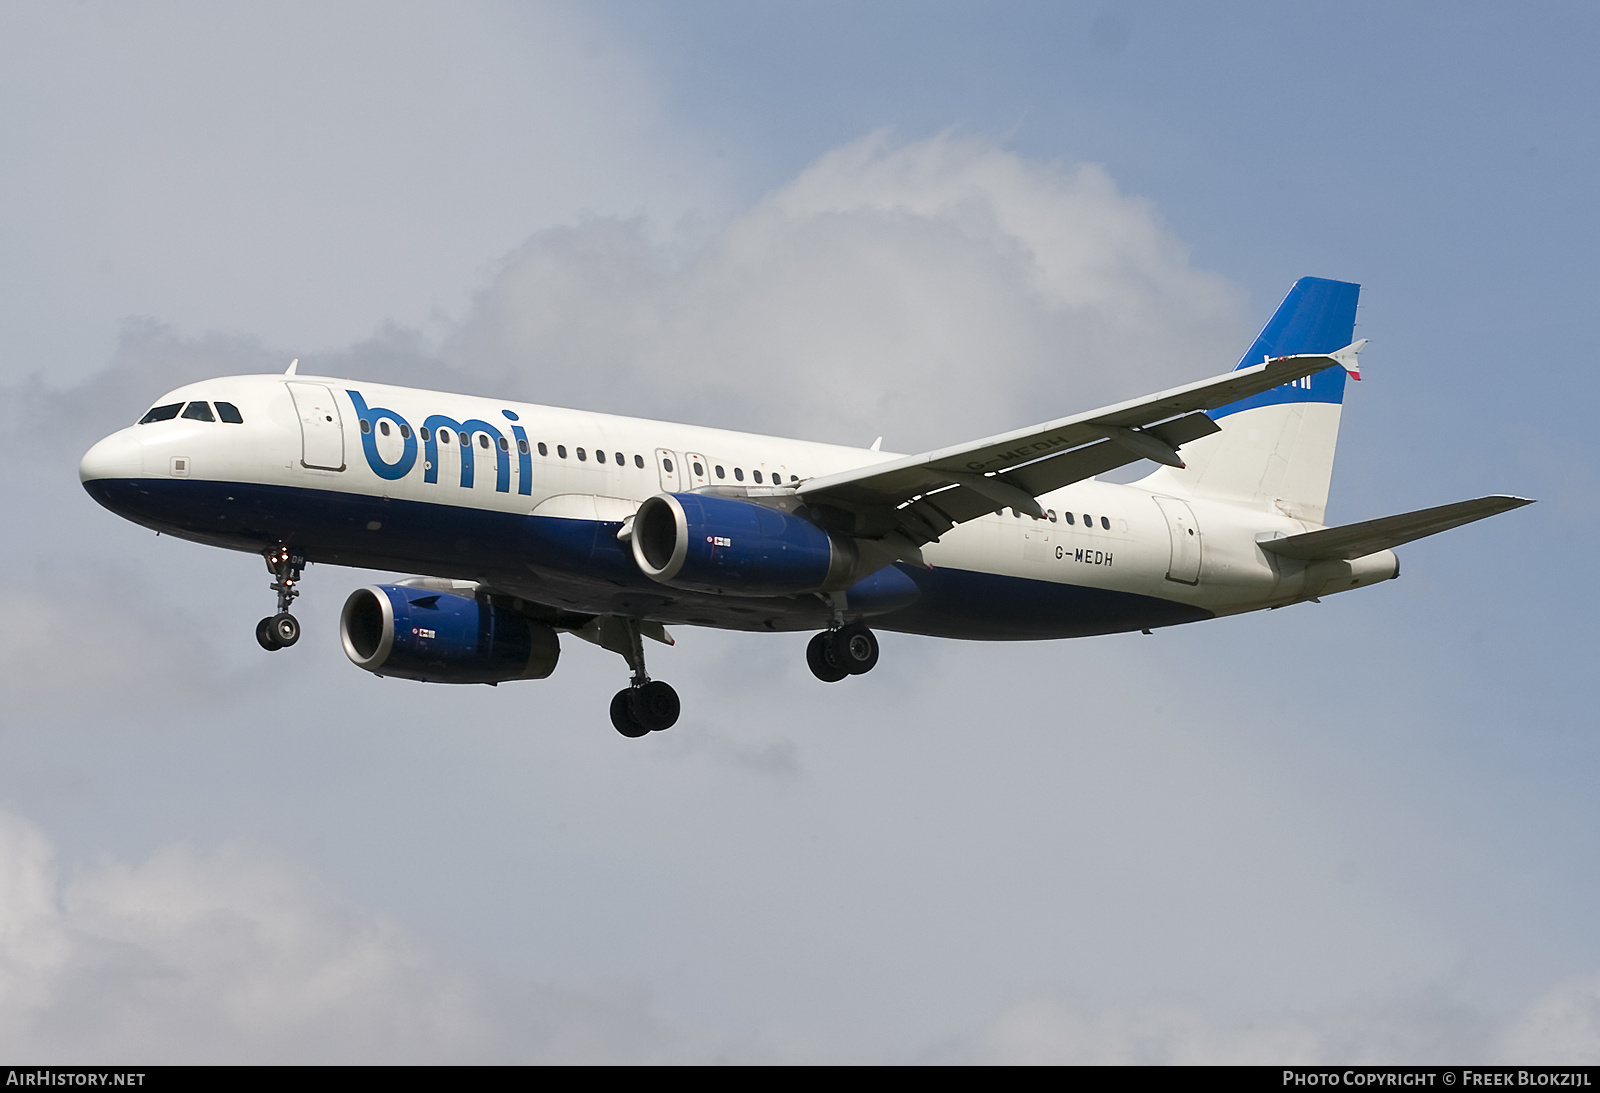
<point>848,651</point>
<point>646,705</point>
<point>282,630</point>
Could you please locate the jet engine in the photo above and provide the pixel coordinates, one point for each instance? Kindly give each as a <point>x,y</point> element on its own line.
<point>440,637</point>
<point>726,545</point>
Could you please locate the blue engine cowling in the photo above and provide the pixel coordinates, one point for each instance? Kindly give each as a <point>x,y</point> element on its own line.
<point>722,544</point>
<point>440,637</point>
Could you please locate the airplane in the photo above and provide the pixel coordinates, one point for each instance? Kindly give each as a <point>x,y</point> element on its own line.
<point>526,522</point>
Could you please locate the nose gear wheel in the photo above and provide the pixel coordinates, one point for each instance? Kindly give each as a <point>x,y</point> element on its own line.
<point>282,630</point>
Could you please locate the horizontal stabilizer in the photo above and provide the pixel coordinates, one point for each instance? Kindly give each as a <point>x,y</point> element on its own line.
<point>1370,536</point>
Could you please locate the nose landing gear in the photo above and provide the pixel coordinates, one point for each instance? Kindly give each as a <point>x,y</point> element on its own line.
<point>848,651</point>
<point>282,630</point>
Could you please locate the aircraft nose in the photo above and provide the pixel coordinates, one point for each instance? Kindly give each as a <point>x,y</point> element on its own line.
<point>117,456</point>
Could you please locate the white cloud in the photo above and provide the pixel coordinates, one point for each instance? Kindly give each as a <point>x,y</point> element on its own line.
<point>230,956</point>
<point>930,290</point>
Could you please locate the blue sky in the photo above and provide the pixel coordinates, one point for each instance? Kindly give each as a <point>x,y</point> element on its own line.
<point>1356,831</point>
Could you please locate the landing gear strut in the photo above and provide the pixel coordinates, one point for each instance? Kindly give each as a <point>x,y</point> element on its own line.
<point>848,651</point>
<point>282,630</point>
<point>646,705</point>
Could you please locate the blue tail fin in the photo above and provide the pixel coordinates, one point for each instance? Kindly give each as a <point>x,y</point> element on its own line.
<point>1318,316</point>
<point>1280,456</point>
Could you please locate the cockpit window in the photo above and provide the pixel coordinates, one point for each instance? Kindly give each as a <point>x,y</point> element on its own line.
<point>198,411</point>
<point>228,412</point>
<point>162,413</point>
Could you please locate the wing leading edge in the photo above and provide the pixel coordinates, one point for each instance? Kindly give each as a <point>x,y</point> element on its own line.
<point>920,497</point>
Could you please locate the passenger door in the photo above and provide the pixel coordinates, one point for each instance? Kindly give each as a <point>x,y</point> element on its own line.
<point>1185,533</point>
<point>321,426</point>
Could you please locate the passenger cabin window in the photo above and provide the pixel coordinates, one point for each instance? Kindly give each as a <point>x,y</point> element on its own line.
<point>542,449</point>
<point>720,472</point>
<point>757,476</point>
<point>162,413</point>
<point>561,450</point>
<point>699,471</point>
<point>622,460</point>
<point>638,461</point>
<point>522,447</point>
<point>1070,518</point>
<point>666,465</point>
<point>228,412</point>
<point>738,474</point>
<point>582,455</point>
<point>383,427</point>
<point>483,440</point>
<point>444,436</point>
<point>1105,522</point>
<point>405,430</point>
<point>599,455</point>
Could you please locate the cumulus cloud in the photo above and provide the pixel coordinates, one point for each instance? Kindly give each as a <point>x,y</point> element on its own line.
<point>930,290</point>
<point>231,956</point>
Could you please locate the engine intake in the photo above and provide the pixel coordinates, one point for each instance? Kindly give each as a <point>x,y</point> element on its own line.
<point>725,545</point>
<point>440,637</point>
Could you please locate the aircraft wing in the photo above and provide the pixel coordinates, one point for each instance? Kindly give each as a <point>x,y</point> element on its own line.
<point>1371,536</point>
<point>923,496</point>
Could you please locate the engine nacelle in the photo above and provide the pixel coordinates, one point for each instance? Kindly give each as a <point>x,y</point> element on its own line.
<point>739,548</point>
<point>439,637</point>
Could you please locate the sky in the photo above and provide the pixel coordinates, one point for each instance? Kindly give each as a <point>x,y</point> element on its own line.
<point>1359,831</point>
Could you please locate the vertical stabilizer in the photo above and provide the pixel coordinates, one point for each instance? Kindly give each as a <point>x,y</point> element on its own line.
<point>1275,450</point>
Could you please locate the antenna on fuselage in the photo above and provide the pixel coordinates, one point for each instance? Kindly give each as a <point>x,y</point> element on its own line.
<point>289,371</point>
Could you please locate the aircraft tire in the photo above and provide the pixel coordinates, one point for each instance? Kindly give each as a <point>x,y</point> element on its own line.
<point>622,715</point>
<point>821,660</point>
<point>265,635</point>
<point>285,629</point>
<point>655,705</point>
<point>855,648</point>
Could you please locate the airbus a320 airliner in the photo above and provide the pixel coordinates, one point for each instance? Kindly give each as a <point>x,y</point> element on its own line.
<point>526,522</point>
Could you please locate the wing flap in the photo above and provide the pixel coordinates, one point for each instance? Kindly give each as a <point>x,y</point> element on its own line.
<point>1370,536</point>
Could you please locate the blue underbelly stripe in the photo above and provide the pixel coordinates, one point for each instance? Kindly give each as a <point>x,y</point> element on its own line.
<point>580,565</point>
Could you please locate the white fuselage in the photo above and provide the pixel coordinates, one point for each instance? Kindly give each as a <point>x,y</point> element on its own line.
<point>311,451</point>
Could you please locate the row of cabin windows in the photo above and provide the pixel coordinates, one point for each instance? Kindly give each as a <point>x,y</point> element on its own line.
<point>582,454</point>
<point>194,411</point>
<point>738,473</point>
<point>1070,518</point>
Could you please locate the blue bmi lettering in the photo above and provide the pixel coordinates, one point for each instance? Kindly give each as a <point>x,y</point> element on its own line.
<point>369,440</point>
<point>467,429</point>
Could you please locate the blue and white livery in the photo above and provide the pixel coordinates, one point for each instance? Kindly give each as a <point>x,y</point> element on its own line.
<point>527,522</point>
